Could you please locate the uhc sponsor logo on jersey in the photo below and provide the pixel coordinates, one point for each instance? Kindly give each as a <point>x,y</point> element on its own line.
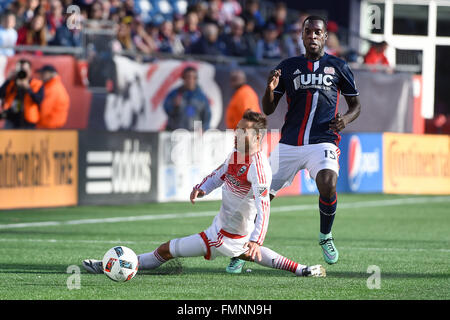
<point>313,80</point>
<point>360,163</point>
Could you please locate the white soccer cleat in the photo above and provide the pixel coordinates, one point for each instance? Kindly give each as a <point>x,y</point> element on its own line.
<point>93,266</point>
<point>314,271</point>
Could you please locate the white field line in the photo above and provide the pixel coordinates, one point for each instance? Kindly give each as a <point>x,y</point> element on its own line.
<point>349,205</point>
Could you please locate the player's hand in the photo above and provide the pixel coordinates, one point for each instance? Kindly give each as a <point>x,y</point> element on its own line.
<point>196,193</point>
<point>254,250</point>
<point>338,123</point>
<point>274,79</point>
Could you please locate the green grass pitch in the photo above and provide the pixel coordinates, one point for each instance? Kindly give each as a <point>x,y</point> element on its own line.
<point>407,237</point>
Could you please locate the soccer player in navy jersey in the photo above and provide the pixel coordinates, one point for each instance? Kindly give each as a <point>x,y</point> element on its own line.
<point>310,136</point>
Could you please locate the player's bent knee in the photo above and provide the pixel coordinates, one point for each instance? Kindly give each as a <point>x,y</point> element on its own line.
<point>326,183</point>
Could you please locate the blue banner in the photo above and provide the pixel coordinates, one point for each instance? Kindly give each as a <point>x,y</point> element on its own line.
<point>361,163</point>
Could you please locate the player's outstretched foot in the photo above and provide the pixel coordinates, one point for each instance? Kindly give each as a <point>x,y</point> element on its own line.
<point>93,266</point>
<point>314,271</point>
<point>235,265</point>
<point>330,253</point>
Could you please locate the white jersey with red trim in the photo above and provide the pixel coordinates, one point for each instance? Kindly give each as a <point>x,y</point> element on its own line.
<point>245,185</point>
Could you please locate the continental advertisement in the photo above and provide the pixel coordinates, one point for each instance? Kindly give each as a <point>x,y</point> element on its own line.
<point>38,168</point>
<point>416,164</point>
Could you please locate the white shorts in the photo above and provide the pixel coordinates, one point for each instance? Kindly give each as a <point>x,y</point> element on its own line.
<point>210,243</point>
<point>218,242</point>
<point>286,161</point>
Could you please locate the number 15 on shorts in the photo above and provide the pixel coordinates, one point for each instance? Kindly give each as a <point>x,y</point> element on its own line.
<point>330,154</point>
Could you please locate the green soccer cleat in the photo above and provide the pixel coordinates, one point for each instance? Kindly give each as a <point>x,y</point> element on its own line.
<point>330,253</point>
<point>235,265</point>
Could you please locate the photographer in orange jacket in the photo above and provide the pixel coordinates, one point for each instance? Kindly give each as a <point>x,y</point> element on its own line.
<point>21,96</point>
<point>55,105</point>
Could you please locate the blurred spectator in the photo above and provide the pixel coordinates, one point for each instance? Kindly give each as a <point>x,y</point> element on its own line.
<point>55,18</point>
<point>21,96</point>
<point>54,107</point>
<point>106,9</point>
<point>124,38</point>
<point>302,17</point>
<point>212,15</point>
<point>29,11</point>
<point>67,37</point>
<point>142,41</point>
<point>332,45</point>
<point>268,47</point>
<point>208,43</point>
<point>251,36</point>
<point>168,41</point>
<point>251,12</point>
<point>235,44</point>
<point>244,98</point>
<point>152,29</point>
<point>96,11</point>
<point>8,35</point>
<point>376,55</point>
<point>187,104</point>
<point>191,32</point>
<point>178,24</point>
<point>228,10</point>
<point>33,32</point>
<point>278,18</point>
<point>293,42</point>
<point>200,8</point>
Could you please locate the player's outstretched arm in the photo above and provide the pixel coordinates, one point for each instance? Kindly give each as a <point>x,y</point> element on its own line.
<point>209,183</point>
<point>196,193</point>
<point>270,98</point>
<point>354,109</point>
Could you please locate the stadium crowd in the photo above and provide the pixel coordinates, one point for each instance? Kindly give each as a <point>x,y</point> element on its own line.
<point>233,28</point>
<point>213,27</point>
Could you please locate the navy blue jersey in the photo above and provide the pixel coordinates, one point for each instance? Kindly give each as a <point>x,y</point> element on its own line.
<point>312,93</point>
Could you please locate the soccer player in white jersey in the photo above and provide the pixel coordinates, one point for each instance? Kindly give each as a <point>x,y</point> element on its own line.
<point>240,227</point>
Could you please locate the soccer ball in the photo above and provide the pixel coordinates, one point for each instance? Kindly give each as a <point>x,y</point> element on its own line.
<point>120,264</point>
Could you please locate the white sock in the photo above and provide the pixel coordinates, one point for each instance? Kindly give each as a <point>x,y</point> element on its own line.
<point>151,260</point>
<point>271,259</point>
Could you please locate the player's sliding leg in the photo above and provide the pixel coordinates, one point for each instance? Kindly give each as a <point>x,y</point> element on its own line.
<point>271,259</point>
<point>326,184</point>
<point>93,266</point>
<point>191,246</point>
